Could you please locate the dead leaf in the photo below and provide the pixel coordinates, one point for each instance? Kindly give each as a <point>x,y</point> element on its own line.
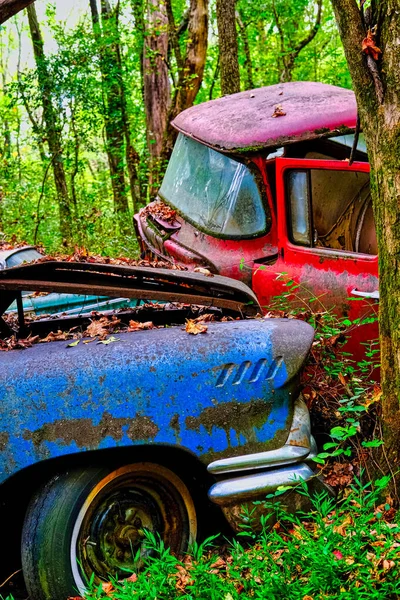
<point>369,45</point>
<point>132,578</point>
<point>107,588</point>
<point>278,112</point>
<point>342,528</point>
<point>203,271</point>
<point>161,211</point>
<point>206,318</point>
<point>183,578</point>
<point>220,563</point>
<point>337,554</point>
<point>97,329</point>
<point>388,564</point>
<point>195,328</point>
<point>138,326</point>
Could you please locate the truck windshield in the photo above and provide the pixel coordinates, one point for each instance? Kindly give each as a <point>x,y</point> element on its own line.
<point>217,194</point>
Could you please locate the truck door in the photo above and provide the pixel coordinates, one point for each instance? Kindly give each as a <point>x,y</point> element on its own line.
<point>326,240</point>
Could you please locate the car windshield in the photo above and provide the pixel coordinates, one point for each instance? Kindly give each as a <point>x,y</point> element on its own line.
<point>22,256</point>
<point>217,194</point>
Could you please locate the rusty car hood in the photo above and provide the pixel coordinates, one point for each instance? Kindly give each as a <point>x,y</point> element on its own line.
<point>245,121</point>
<point>130,282</point>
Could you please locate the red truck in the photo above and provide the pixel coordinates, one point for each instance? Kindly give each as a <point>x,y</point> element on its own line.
<point>259,185</point>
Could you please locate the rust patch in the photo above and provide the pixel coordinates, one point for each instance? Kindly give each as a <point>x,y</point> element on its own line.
<point>4,438</point>
<point>142,428</point>
<point>241,417</point>
<point>174,424</point>
<point>85,434</point>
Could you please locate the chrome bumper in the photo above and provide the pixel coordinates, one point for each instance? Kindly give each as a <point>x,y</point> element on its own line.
<point>284,466</point>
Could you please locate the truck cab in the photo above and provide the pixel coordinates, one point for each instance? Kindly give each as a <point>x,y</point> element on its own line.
<point>259,188</point>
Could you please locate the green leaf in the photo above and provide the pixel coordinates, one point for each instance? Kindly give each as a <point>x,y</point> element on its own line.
<point>372,444</point>
<point>73,344</point>
<point>109,340</point>
<point>330,445</point>
<point>383,482</point>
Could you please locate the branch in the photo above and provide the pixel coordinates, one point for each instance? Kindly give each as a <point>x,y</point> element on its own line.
<point>9,8</point>
<point>279,27</point>
<point>182,27</point>
<point>173,38</point>
<point>312,33</point>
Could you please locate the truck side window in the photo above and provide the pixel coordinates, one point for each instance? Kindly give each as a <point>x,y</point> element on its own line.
<point>341,210</point>
<point>299,201</point>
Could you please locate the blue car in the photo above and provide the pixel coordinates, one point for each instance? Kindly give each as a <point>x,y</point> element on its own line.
<point>152,428</point>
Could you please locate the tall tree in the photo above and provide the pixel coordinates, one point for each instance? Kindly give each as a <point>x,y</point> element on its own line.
<point>228,46</point>
<point>293,40</point>
<point>53,126</point>
<point>190,65</point>
<point>157,95</point>
<point>371,43</point>
<point>113,100</point>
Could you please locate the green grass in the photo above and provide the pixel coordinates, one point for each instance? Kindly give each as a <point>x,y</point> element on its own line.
<point>348,550</point>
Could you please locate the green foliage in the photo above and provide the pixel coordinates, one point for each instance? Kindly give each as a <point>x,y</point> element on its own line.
<point>347,551</point>
<point>28,200</point>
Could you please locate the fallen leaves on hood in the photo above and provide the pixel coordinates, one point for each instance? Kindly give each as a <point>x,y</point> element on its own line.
<point>56,336</point>
<point>203,271</point>
<point>138,326</point>
<point>100,327</point>
<point>161,211</point>
<point>278,112</point>
<point>194,327</point>
<point>12,343</point>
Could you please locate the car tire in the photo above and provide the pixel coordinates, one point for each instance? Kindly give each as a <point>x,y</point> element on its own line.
<point>92,521</point>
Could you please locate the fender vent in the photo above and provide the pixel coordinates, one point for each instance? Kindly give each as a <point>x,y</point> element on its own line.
<point>236,374</point>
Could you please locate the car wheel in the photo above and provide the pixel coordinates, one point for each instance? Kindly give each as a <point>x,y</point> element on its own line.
<point>91,523</point>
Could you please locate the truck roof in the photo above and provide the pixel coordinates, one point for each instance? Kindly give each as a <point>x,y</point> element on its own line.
<point>248,121</point>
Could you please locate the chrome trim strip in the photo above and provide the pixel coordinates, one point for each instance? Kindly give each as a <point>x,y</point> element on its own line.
<point>273,458</point>
<point>296,448</point>
<point>251,487</point>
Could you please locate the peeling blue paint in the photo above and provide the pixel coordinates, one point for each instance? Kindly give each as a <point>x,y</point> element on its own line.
<point>152,387</point>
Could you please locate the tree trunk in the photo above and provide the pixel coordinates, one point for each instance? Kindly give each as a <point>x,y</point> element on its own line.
<point>138,15</point>
<point>113,121</point>
<point>53,128</point>
<point>228,46</point>
<point>196,53</point>
<point>9,8</point>
<point>376,81</point>
<point>248,65</point>
<point>131,155</point>
<point>156,86</point>
<point>191,67</point>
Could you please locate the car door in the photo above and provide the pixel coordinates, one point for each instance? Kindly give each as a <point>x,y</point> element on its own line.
<point>326,240</point>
